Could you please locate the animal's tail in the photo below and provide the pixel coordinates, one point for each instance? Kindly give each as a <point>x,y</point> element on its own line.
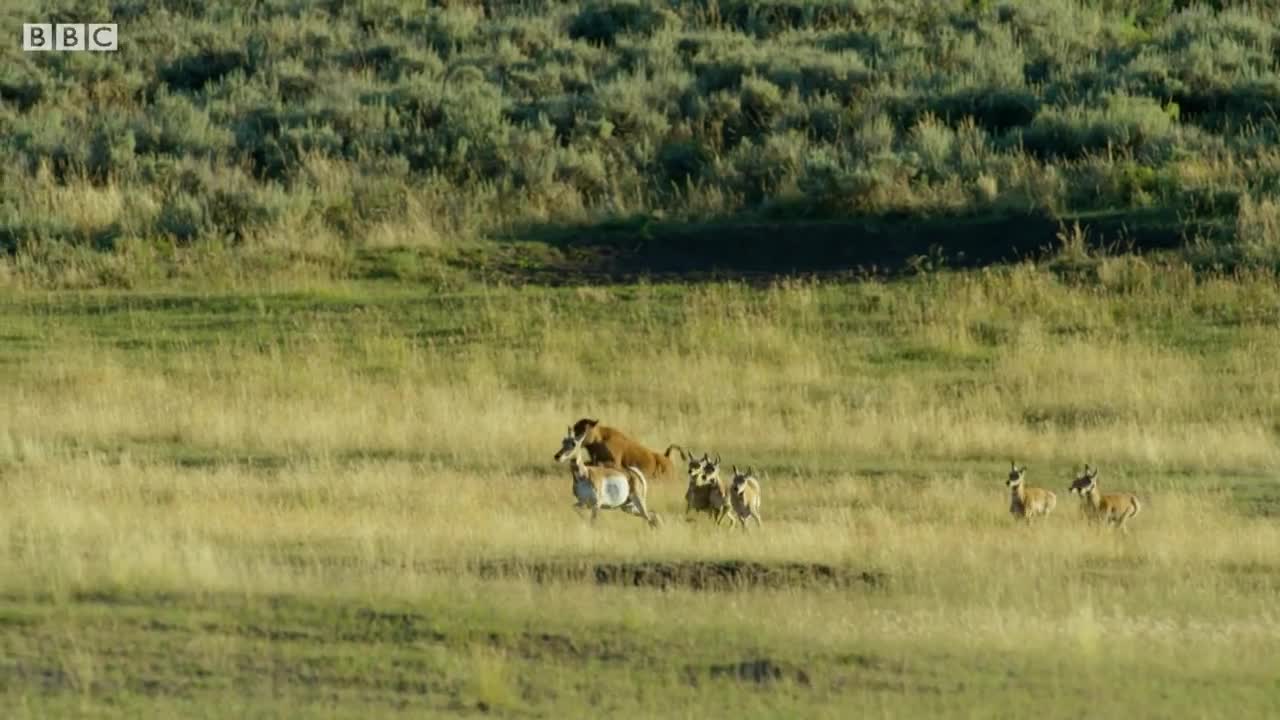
<point>683,454</point>
<point>640,497</point>
<point>1137,507</point>
<point>642,484</point>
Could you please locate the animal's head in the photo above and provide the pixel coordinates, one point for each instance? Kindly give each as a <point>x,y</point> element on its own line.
<point>1016,475</point>
<point>569,446</point>
<point>586,427</point>
<point>711,468</point>
<point>740,477</point>
<point>695,468</point>
<point>1086,481</point>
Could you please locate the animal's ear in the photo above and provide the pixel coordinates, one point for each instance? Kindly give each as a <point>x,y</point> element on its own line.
<point>735,469</point>
<point>592,422</point>
<point>717,458</point>
<point>1013,465</point>
<point>751,470</point>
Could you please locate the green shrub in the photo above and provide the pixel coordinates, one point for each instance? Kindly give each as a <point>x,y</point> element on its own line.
<point>330,119</point>
<point>761,102</point>
<point>933,144</point>
<point>602,22</point>
<point>684,159</point>
<point>182,218</point>
<point>1123,123</point>
<point>111,149</point>
<point>173,125</point>
<point>196,70</point>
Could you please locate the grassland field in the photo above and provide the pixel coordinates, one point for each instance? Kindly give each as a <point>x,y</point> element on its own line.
<point>339,500</point>
<point>298,296</point>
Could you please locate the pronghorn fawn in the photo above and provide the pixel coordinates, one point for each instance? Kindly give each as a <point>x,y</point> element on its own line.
<point>1111,508</point>
<point>698,495</point>
<point>718,504</point>
<point>744,496</point>
<point>599,487</point>
<point>1027,503</point>
<point>610,446</point>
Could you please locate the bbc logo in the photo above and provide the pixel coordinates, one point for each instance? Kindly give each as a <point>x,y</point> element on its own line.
<point>99,37</point>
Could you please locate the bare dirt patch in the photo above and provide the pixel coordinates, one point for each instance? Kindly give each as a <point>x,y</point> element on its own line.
<point>758,671</point>
<point>719,575</point>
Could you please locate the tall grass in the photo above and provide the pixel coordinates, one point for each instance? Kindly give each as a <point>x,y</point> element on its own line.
<point>369,447</point>
<point>1162,370</point>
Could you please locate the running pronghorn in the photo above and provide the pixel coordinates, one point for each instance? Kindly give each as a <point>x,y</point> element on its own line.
<point>1112,508</point>
<point>1026,503</point>
<point>698,495</point>
<point>598,487</point>
<point>744,496</point>
<point>718,504</point>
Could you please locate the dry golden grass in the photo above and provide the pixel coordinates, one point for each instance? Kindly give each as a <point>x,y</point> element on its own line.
<point>349,450</point>
<point>1187,583</point>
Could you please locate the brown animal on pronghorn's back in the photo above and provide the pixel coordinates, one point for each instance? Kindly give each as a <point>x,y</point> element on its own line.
<point>610,446</point>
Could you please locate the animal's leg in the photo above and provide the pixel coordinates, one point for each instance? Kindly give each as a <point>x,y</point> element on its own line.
<point>720,515</point>
<point>643,511</point>
<point>732,514</point>
<point>635,507</point>
<point>756,514</point>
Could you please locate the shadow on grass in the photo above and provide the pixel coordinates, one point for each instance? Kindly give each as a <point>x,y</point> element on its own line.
<point>746,248</point>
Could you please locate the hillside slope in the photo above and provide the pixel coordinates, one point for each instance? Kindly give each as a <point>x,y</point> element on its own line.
<point>305,134</point>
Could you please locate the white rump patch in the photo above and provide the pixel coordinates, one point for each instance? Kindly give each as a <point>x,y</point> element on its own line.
<point>615,490</point>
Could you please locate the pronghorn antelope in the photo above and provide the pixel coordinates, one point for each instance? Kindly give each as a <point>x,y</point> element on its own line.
<point>1111,508</point>
<point>744,496</point>
<point>609,446</point>
<point>717,491</point>
<point>610,488</point>
<point>695,467</point>
<point>698,495</point>
<point>702,495</point>
<point>1026,503</point>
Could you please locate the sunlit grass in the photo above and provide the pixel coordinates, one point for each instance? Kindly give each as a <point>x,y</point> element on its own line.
<point>365,446</point>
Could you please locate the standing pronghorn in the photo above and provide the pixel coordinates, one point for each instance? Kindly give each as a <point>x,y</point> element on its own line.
<point>1112,508</point>
<point>1026,503</point>
<point>597,486</point>
<point>744,496</point>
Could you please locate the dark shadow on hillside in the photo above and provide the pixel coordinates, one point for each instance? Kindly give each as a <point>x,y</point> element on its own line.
<point>887,246</point>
